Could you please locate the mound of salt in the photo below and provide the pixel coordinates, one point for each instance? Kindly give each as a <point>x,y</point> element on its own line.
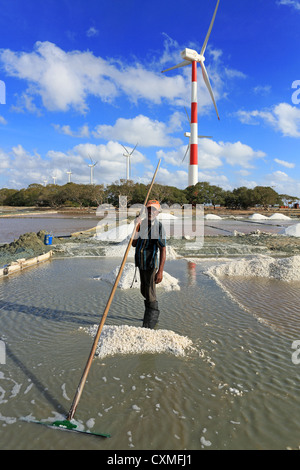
<point>212,217</point>
<point>168,283</point>
<point>284,269</point>
<point>117,234</point>
<point>293,230</point>
<point>135,340</point>
<point>258,217</point>
<point>278,216</point>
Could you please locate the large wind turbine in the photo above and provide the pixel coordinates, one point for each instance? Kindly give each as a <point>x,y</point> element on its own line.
<point>192,57</point>
<point>188,134</point>
<point>92,166</point>
<point>128,164</point>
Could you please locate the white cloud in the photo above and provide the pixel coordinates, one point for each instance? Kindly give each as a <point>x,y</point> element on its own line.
<point>91,32</point>
<point>65,80</point>
<point>140,130</point>
<point>21,168</point>
<point>284,163</point>
<point>212,154</point>
<point>66,130</point>
<point>282,117</point>
<point>293,3</point>
<point>2,120</point>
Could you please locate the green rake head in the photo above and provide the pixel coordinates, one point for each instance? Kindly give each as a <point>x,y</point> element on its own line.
<point>66,425</point>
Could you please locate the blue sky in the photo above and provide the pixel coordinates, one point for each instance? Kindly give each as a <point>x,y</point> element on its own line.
<point>84,77</point>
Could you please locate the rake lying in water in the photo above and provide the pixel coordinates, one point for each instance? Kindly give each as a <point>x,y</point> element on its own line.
<point>66,424</point>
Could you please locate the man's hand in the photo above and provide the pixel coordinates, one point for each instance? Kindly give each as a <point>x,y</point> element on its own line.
<point>158,277</point>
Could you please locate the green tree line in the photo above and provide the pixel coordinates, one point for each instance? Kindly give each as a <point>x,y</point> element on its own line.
<point>83,195</point>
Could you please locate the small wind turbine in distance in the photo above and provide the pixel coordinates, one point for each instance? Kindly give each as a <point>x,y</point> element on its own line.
<point>92,166</point>
<point>54,179</point>
<point>192,57</point>
<point>128,163</point>
<point>69,172</point>
<point>188,134</point>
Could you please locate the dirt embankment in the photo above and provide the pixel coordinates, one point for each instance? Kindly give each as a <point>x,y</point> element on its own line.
<point>26,246</point>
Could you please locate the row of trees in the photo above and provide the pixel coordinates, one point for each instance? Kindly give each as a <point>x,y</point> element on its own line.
<point>82,195</point>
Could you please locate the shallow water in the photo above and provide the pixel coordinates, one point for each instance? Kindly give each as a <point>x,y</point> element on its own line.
<point>238,390</point>
<point>12,227</point>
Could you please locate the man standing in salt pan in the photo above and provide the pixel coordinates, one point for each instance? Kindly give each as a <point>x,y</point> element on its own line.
<point>149,240</point>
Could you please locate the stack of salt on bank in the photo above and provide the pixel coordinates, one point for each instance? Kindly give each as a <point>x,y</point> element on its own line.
<point>283,269</point>
<point>117,234</point>
<point>129,273</point>
<point>136,340</point>
<point>258,217</point>
<point>292,231</point>
<point>278,216</point>
<point>212,217</point>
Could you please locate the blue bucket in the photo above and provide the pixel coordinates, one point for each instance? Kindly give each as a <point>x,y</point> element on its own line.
<point>48,239</point>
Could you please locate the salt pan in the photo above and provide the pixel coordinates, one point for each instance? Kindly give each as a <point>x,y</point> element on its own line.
<point>135,340</point>
<point>129,273</point>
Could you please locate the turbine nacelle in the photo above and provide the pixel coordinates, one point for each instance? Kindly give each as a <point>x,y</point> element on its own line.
<point>191,55</point>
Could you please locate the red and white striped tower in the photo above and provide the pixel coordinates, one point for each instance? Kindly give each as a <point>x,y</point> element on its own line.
<point>193,166</point>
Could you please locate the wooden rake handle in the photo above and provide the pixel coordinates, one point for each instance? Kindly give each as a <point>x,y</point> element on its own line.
<point>97,336</point>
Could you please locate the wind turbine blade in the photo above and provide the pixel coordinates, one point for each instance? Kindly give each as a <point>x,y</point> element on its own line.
<point>185,153</point>
<point>133,150</point>
<point>205,136</point>
<point>207,83</point>
<point>125,149</point>
<point>182,64</point>
<point>187,115</point>
<point>209,30</point>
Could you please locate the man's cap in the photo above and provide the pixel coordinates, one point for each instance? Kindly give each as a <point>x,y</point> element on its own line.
<point>153,203</point>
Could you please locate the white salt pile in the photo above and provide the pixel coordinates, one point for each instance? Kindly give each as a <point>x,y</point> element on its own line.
<point>257,217</point>
<point>292,231</point>
<point>135,340</point>
<point>278,216</point>
<point>212,217</point>
<point>284,269</point>
<point>116,234</point>
<point>168,283</point>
